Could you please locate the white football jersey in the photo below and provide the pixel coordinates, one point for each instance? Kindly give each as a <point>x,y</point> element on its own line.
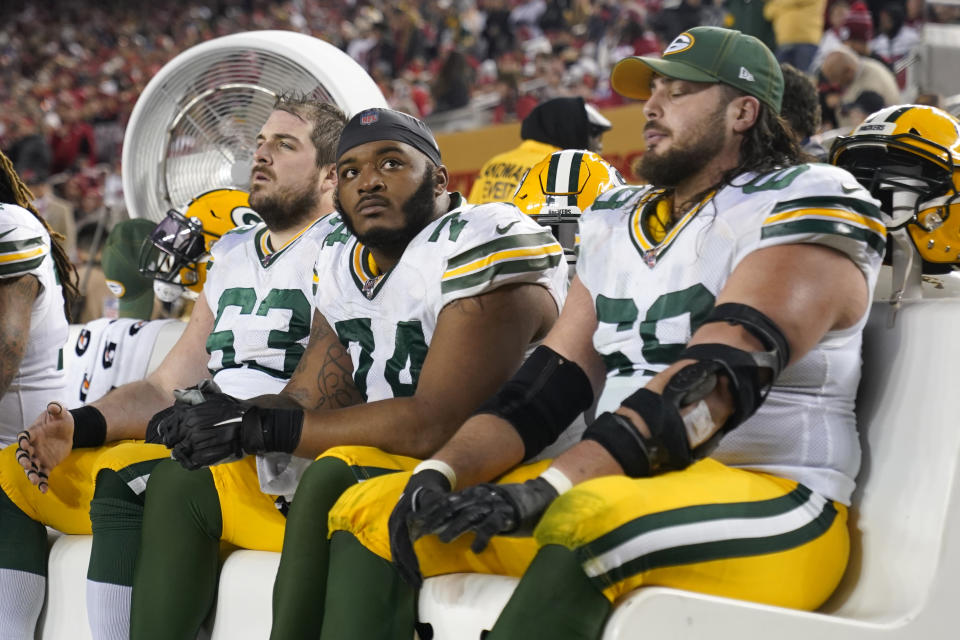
<point>106,354</point>
<point>650,297</point>
<point>261,299</point>
<point>25,249</point>
<point>386,321</point>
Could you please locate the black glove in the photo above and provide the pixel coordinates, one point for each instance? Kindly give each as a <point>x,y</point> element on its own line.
<point>425,492</point>
<point>210,432</point>
<point>495,509</point>
<point>164,427</point>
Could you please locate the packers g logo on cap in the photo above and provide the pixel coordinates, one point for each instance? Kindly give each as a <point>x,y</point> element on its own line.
<point>681,43</point>
<point>116,288</point>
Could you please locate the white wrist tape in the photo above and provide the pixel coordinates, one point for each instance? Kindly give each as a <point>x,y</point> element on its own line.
<point>442,467</point>
<point>699,424</point>
<point>557,479</point>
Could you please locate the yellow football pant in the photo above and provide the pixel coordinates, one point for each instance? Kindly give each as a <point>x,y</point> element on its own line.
<point>364,509</point>
<point>66,504</point>
<point>710,528</point>
<point>250,517</point>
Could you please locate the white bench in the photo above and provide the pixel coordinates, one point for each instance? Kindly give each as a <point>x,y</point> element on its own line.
<point>904,570</point>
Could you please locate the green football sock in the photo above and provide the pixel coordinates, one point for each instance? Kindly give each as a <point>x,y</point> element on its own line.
<point>301,584</point>
<point>23,570</point>
<point>371,601</point>
<point>175,582</point>
<point>554,599</point>
<point>116,516</point>
<point>23,541</point>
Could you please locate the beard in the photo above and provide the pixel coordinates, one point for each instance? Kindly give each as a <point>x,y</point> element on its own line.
<point>286,207</point>
<point>671,167</point>
<point>418,211</point>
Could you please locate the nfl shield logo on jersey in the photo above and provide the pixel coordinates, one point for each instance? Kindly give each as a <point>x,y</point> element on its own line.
<point>650,258</point>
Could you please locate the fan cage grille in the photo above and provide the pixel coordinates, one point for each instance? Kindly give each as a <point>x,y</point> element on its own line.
<point>198,130</point>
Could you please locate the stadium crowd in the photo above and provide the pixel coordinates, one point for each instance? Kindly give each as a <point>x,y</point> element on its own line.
<point>71,72</point>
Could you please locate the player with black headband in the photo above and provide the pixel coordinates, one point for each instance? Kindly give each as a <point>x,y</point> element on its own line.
<point>716,318</point>
<point>437,302</point>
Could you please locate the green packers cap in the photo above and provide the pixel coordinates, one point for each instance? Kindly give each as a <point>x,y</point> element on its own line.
<point>120,260</point>
<point>706,54</point>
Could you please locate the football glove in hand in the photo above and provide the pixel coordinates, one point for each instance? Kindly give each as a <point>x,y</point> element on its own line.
<point>495,509</point>
<point>220,429</point>
<point>165,425</point>
<point>419,503</point>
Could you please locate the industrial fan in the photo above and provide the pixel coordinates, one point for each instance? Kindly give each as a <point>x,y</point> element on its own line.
<point>194,126</point>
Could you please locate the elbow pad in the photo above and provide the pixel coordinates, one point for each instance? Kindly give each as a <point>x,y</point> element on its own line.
<point>545,395</point>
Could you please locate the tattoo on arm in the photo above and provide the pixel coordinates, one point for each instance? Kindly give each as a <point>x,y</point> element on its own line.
<point>335,379</point>
<point>333,387</point>
<point>16,303</point>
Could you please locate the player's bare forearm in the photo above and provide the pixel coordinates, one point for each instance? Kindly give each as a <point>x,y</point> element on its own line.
<point>485,447</point>
<point>16,302</point>
<point>323,378</point>
<point>397,425</point>
<point>128,408</point>
<point>478,343</point>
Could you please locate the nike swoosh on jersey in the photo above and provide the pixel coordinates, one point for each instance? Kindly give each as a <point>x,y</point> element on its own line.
<point>847,189</point>
<point>12,230</point>
<point>503,230</point>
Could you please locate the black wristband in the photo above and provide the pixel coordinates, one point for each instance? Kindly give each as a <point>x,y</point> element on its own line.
<point>89,427</point>
<point>280,429</point>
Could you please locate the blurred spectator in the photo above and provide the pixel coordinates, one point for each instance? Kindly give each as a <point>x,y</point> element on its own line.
<point>451,89</point>
<point>674,20</point>
<point>798,27</point>
<point>747,16</point>
<point>512,105</point>
<point>55,210</point>
<point>801,108</point>
<point>560,123</point>
<point>914,13</point>
<point>895,38</point>
<point>92,208</point>
<point>852,74</point>
<point>28,150</point>
<point>72,143</point>
<point>863,105</point>
<point>835,32</point>
<point>858,28</point>
<point>96,301</point>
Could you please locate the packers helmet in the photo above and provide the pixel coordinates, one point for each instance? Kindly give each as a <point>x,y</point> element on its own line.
<point>173,254</point>
<point>556,190</point>
<point>908,157</point>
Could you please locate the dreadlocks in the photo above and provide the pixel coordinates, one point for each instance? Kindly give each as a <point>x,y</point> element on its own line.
<point>13,191</point>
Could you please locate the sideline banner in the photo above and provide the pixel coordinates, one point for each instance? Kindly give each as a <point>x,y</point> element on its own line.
<point>464,152</point>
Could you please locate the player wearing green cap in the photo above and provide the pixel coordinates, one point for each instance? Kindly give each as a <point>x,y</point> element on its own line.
<point>723,455</point>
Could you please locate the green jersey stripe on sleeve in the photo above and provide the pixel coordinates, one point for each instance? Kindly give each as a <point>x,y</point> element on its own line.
<point>500,244</point>
<point>808,226</point>
<point>502,268</point>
